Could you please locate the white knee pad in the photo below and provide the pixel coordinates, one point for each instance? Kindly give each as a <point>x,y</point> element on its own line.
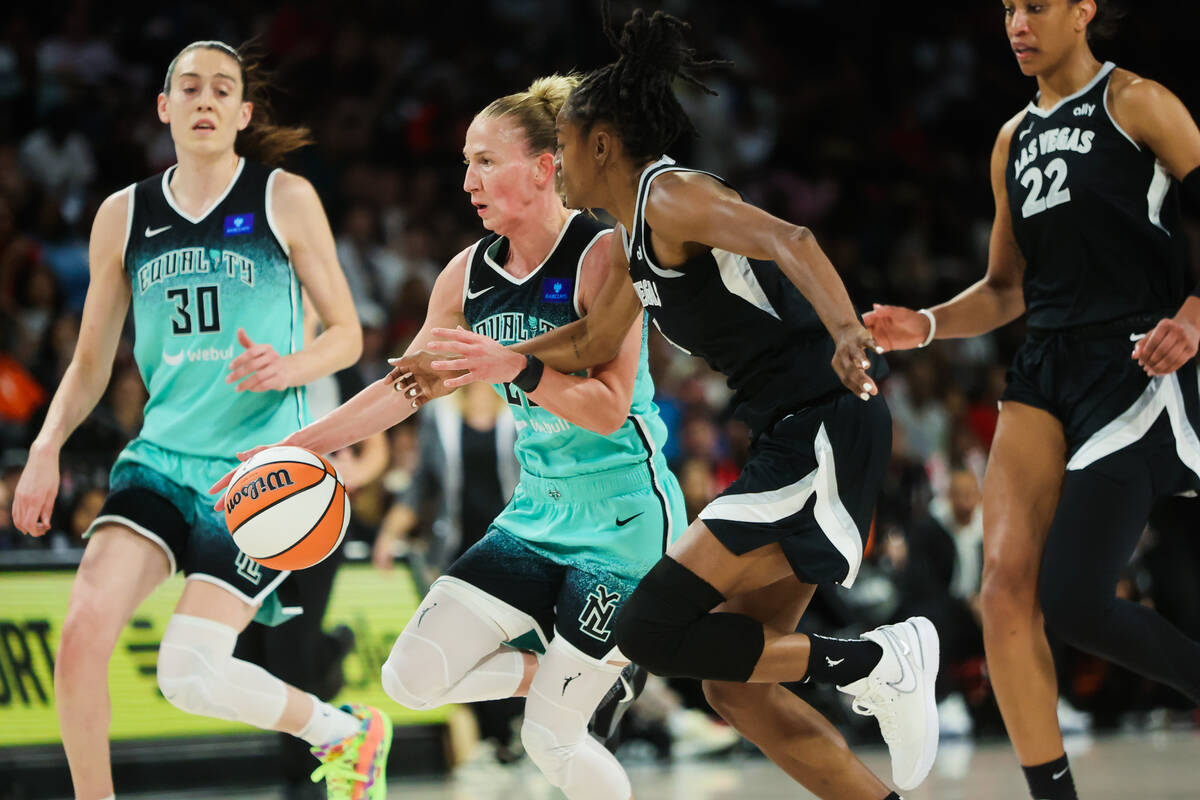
<point>446,639</point>
<point>197,673</point>
<point>565,691</point>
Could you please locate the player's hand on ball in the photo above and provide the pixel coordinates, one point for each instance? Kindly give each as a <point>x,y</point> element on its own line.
<point>896,327</point>
<point>476,358</point>
<point>1171,344</point>
<point>33,502</point>
<point>259,368</point>
<point>415,378</point>
<point>219,486</point>
<point>850,360</point>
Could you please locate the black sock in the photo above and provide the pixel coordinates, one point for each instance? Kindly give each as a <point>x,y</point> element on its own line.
<point>893,796</point>
<point>1051,781</point>
<point>841,661</point>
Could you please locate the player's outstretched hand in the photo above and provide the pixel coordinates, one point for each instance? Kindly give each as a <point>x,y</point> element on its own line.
<point>850,360</point>
<point>414,376</point>
<point>896,327</point>
<point>475,357</point>
<point>1171,344</point>
<point>219,486</point>
<point>33,502</point>
<point>263,369</point>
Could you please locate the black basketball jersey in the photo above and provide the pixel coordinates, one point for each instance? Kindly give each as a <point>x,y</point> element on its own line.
<point>744,317</point>
<point>1095,215</point>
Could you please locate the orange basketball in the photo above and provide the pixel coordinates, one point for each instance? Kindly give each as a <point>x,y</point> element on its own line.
<point>286,508</point>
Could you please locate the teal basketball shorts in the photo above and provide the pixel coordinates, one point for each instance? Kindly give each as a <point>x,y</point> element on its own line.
<point>565,554</point>
<point>163,496</point>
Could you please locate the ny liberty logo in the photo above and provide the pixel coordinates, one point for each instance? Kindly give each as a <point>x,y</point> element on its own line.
<point>598,612</point>
<point>248,568</point>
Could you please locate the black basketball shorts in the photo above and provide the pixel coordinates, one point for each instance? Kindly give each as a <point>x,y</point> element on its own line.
<point>811,484</point>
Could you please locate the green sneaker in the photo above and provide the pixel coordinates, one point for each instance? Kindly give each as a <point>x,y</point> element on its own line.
<point>356,767</point>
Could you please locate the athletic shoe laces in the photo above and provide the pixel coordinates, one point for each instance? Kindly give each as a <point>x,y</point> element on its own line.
<point>877,702</point>
<point>338,773</point>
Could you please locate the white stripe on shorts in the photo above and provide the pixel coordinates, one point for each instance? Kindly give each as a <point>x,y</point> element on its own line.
<point>776,504</point>
<point>1161,393</point>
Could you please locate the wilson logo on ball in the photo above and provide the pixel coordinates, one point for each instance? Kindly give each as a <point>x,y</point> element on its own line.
<point>260,486</point>
<point>286,508</point>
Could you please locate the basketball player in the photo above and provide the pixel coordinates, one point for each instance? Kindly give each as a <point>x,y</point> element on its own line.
<point>1087,240</point>
<point>798,516</point>
<point>212,254</point>
<point>595,505</point>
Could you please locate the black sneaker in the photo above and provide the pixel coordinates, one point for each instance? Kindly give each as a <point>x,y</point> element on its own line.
<point>606,720</point>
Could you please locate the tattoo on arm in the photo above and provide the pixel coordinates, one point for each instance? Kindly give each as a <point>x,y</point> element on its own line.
<point>575,344</point>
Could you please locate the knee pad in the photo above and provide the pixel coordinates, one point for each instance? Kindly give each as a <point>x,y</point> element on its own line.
<point>197,673</point>
<point>666,627</point>
<point>413,674</point>
<point>546,751</point>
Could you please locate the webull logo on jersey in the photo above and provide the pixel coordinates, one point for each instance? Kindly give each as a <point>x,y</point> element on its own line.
<point>511,326</point>
<point>1052,141</point>
<point>270,482</point>
<point>647,292</point>
<point>203,354</point>
<point>195,260</point>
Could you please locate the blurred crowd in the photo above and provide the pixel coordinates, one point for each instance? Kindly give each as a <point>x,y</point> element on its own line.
<point>866,122</point>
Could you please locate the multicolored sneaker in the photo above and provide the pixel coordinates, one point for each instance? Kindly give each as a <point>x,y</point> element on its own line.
<point>356,767</point>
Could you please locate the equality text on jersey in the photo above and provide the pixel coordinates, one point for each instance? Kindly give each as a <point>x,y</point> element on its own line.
<point>1052,141</point>
<point>512,326</point>
<point>195,260</point>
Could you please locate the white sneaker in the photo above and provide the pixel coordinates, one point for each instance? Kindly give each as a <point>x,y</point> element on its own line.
<point>899,694</point>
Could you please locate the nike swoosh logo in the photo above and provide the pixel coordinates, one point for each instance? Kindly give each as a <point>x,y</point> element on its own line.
<point>627,520</point>
<point>156,231</point>
<point>908,678</point>
<point>172,360</point>
<point>1024,133</point>
<point>472,295</point>
<point>1058,775</point>
<point>833,663</point>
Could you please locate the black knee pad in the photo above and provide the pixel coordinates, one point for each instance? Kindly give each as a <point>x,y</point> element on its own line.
<point>665,626</point>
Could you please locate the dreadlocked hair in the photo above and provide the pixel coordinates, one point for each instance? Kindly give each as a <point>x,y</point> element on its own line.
<point>264,139</point>
<point>634,92</point>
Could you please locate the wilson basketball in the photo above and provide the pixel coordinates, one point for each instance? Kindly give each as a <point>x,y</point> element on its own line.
<point>286,508</point>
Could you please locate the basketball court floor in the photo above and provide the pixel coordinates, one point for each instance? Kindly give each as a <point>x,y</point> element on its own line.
<point>1157,765</point>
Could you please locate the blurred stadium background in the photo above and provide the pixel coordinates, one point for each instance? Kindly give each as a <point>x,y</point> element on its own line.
<point>869,122</point>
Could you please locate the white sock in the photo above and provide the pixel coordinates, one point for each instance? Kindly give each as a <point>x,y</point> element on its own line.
<point>495,677</point>
<point>328,725</point>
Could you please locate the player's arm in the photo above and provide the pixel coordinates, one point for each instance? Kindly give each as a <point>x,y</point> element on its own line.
<point>1157,119</point>
<point>600,401</point>
<point>379,406</point>
<point>696,208</point>
<point>995,300</point>
<point>305,231</point>
<point>595,339</point>
<point>87,375</point>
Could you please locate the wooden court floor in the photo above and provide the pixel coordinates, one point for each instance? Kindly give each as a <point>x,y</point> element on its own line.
<point>1158,765</point>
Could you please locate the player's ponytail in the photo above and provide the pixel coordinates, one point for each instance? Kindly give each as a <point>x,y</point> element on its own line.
<point>263,140</point>
<point>635,93</point>
<point>535,109</point>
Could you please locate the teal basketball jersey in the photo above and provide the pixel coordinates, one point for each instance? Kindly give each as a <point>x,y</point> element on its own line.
<point>509,310</point>
<point>194,282</point>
